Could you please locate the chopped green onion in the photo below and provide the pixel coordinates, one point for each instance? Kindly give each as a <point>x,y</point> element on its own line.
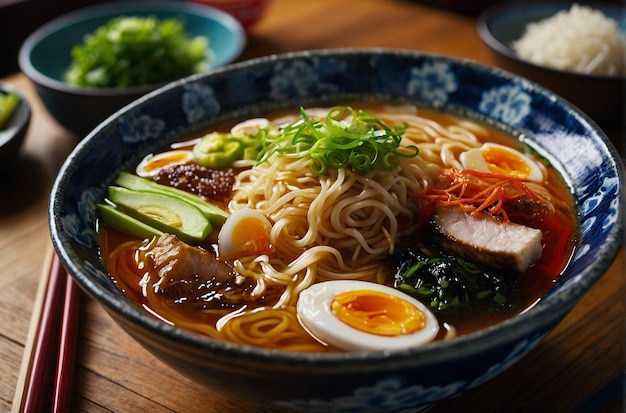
<point>408,288</point>
<point>414,269</point>
<point>483,294</point>
<point>499,299</point>
<point>425,291</point>
<point>133,50</point>
<point>344,138</point>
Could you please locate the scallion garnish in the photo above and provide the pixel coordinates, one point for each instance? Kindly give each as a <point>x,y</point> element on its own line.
<point>343,138</point>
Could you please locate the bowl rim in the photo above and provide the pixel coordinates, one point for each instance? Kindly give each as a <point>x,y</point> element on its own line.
<point>518,326</point>
<point>487,16</point>
<point>119,7</point>
<point>22,122</point>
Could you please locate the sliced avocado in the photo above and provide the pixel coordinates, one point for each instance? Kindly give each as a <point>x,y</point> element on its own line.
<point>164,212</point>
<point>215,214</point>
<point>124,222</point>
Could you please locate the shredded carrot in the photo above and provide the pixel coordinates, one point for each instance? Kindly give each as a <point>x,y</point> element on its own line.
<point>475,192</point>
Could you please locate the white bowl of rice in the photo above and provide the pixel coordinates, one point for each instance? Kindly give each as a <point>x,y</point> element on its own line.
<point>577,50</point>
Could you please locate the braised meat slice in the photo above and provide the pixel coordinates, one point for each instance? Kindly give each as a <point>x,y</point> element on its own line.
<point>190,276</point>
<point>486,240</point>
<point>174,259</point>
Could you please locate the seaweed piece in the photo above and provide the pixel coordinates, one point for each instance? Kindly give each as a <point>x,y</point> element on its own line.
<point>448,283</point>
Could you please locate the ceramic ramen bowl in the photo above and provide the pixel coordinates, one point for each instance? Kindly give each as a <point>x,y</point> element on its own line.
<point>45,55</point>
<point>379,381</point>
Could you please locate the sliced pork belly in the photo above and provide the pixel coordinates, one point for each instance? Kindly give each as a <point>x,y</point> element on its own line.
<point>485,240</point>
<point>175,260</point>
<point>191,277</point>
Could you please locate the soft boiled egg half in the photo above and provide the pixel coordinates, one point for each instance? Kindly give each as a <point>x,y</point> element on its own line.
<point>359,315</point>
<point>502,160</point>
<point>249,127</point>
<point>245,232</point>
<point>152,164</point>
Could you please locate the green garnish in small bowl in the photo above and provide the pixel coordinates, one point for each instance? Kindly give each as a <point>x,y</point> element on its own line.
<point>15,115</point>
<point>132,51</point>
<point>8,103</point>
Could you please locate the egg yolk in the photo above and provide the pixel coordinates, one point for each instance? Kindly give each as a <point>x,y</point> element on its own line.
<point>251,236</point>
<point>506,163</point>
<point>377,313</point>
<point>160,162</point>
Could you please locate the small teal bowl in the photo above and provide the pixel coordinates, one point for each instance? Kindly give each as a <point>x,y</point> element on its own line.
<point>385,381</point>
<point>13,131</point>
<point>45,55</point>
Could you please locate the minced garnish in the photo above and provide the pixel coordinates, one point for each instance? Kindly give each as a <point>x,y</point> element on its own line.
<point>133,51</point>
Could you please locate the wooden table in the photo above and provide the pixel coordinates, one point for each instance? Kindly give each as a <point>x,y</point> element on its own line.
<point>115,374</point>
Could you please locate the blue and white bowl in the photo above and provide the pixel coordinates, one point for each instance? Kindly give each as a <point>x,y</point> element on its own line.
<point>355,381</point>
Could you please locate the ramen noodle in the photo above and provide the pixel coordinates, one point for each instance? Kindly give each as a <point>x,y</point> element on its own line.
<point>333,221</point>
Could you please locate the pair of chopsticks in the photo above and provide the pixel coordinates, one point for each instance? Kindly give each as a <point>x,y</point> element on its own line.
<point>46,375</point>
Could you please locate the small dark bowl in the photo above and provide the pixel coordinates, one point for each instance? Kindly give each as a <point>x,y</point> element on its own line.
<point>375,381</point>
<point>45,55</point>
<point>600,97</point>
<point>13,132</point>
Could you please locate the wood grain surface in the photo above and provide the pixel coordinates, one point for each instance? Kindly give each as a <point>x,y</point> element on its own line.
<point>114,374</point>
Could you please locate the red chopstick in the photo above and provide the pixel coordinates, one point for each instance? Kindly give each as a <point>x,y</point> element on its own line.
<point>47,369</point>
<point>67,346</point>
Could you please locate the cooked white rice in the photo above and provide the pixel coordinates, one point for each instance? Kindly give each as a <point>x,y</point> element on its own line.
<point>580,39</point>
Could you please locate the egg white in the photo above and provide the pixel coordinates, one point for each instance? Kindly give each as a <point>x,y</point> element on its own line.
<point>249,126</point>
<point>141,168</point>
<point>474,160</point>
<point>225,239</point>
<point>315,313</point>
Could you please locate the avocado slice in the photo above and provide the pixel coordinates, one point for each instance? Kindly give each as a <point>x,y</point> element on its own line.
<point>163,212</point>
<point>124,222</point>
<point>215,214</point>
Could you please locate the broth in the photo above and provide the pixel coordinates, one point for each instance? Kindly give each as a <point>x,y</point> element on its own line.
<point>256,303</point>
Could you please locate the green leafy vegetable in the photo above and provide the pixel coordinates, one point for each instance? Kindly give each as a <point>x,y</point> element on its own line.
<point>343,138</point>
<point>132,51</point>
<point>448,283</point>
